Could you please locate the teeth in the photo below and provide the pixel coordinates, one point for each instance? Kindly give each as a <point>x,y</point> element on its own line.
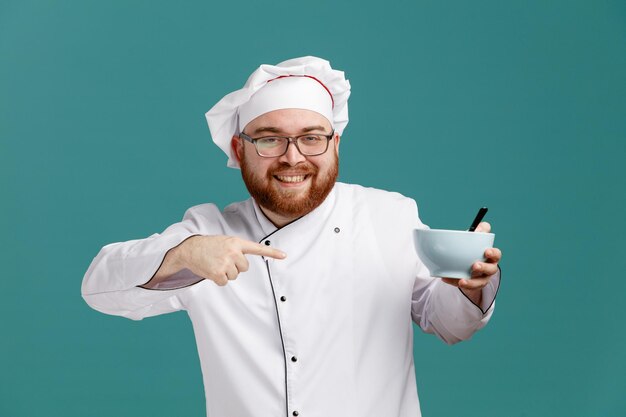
<point>284,178</point>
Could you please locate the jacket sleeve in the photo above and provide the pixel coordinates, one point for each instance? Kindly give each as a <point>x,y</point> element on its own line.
<point>444,310</point>
<point>112,283</point>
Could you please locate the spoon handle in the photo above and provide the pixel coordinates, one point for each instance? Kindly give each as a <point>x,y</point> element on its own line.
<point>479,216</point>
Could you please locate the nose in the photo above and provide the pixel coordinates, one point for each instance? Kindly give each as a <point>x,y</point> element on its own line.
<point>293,155</point>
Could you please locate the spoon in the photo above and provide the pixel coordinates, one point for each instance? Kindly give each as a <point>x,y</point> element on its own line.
<point>479,216</point>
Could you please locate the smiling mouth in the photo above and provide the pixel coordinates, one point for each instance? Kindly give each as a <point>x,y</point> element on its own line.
<point>291,178</point>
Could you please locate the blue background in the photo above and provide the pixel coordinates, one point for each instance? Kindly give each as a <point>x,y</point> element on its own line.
<point>517,105</point>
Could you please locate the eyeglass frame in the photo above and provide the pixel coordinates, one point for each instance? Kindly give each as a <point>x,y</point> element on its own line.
<point>290,140</point>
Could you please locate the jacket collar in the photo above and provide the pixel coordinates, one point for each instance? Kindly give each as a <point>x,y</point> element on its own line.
<point>308,220</point>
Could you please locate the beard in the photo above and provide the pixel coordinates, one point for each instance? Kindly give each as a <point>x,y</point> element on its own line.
<point>285,202</point>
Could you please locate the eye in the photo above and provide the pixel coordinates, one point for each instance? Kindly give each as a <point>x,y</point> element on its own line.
<point>269,141</point>
<point>310,139</point>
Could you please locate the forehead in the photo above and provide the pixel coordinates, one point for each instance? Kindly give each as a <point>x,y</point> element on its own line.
<point>288,121</point>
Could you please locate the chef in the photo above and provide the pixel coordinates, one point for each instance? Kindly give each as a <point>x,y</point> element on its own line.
<point>302,297</point>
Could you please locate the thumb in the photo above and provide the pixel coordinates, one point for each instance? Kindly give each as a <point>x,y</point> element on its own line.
<point>483,227</point>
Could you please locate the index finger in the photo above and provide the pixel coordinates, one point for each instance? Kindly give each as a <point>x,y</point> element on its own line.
<point>253,248</point>
<point>493,255</point>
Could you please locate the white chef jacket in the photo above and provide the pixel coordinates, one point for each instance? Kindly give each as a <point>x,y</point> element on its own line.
<point>325,332</point>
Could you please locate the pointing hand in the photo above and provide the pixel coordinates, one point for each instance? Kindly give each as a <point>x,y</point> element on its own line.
<point>217,258</point>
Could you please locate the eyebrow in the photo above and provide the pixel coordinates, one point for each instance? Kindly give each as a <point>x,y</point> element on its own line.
<point>271,129</point>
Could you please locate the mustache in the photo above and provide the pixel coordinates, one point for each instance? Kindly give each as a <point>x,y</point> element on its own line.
<point>305,168</point>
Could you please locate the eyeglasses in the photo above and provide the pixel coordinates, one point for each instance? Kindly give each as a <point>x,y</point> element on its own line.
<point>274,146</point>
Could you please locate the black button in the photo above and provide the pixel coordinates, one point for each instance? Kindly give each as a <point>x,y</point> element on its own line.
<point>267,243</point>
<point>337,230</point>
<point>295,413</point>
<point>283,298</point>
<point>294,359</point>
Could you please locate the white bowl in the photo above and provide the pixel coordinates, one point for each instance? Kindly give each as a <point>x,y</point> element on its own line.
<point>451,253</point>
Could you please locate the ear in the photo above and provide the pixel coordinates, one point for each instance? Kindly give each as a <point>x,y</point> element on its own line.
<point>237,147</point>
<point>337,140</point>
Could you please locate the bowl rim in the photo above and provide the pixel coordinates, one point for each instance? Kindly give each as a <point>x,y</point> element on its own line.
<point>460,232</point>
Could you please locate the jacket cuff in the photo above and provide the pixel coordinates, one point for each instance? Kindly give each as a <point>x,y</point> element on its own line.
<point>181,279</point>
<point>490,292</point>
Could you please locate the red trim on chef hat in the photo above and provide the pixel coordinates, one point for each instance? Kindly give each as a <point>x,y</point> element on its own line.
<point>311,77</point>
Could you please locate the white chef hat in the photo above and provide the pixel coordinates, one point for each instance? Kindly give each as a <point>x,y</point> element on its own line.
<point>303,83</point>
